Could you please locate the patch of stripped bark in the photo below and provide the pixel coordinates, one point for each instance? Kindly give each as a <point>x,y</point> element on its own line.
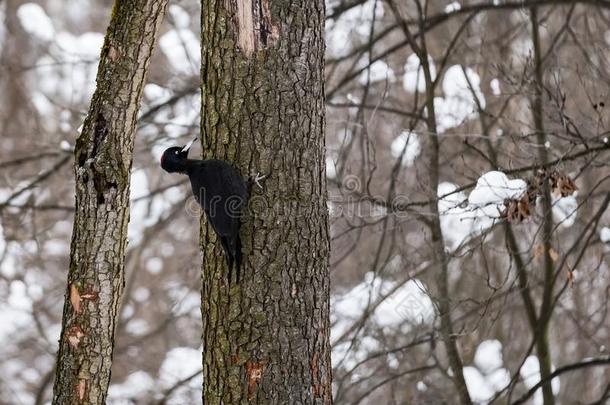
<point>254,373</point>
<point>253,25</point>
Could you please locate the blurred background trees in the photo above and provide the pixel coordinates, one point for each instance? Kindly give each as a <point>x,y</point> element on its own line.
<point>521,129</point>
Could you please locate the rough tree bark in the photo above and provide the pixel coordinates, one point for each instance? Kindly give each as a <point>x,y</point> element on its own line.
<point>266,340</point>
<point>103,157</point>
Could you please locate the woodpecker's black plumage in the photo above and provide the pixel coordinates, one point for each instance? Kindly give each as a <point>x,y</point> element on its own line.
<point>222,193</point>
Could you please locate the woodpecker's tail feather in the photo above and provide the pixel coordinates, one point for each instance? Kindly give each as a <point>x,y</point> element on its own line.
<point>233,255</point>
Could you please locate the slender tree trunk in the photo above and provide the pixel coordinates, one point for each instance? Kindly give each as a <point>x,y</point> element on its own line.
<point>103,156</point>
<point>266,340</point>
<point>542,331</point>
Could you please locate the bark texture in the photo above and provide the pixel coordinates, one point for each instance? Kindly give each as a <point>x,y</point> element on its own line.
<point>103,157</point>
<point>266,340</point>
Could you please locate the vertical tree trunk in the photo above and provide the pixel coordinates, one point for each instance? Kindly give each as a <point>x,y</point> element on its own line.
<point>103,156</point>
<point>542,330</point>
<point>266,340</point>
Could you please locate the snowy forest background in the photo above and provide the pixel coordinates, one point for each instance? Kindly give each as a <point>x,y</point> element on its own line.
<point>385,327</point>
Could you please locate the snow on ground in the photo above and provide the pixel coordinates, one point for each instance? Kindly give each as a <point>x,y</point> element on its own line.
<point>604,234</point>
<point>530,372</point>
<point>354,24</point>
<point>35,21</point>
<point>463,218</point>
<point>458,104</point>
<point>413,78</point>
<point>379,71</point>
<point>410,140</point>
<point>486,377</point>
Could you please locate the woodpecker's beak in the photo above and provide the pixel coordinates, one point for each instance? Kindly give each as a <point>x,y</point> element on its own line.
<point>188,146</point>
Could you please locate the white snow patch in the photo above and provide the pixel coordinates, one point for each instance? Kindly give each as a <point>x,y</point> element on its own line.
<point>146,212</point>
<point>479,389</point>
<point>349,355</point>
<point>35,21</point>
<point>458,104</point>
<point>180,16</point>
<point>463,218</point>
<point>182,49</point>
<point>179,364</point>
<point>604,235</point>
<point>455,6</point>
<point>379,71</point>
<point>564,210</point>
<point>135,386</point>
<point>413,78</point>
<point>137,327</point>
<point>185,301</point>
<point>409,305</point>
<point>488,356</point>
<point>488,377</point>
<point>410,140</point>
<point>2,240</point>
<point>72,80</point>
<point>141,294</point>
<point>494,84</point>
<point>156,94</point>
<point>530,372</point>
<point>56,247</point>
<point>331,168</point>
<point>2,25</point>
<point>492,189</point>
<point>154,265</point>
<point>352,27</point>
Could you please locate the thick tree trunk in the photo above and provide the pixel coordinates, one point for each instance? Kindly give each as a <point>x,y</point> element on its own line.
<point>103,156</point>
<point>266,340</point>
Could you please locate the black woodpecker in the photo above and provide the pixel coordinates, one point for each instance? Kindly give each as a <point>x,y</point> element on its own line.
<point>222,193</point>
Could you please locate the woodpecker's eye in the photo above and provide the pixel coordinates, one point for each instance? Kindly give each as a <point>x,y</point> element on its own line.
<point>176,152</point>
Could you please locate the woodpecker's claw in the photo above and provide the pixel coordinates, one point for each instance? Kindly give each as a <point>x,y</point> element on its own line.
<point>258,178</point>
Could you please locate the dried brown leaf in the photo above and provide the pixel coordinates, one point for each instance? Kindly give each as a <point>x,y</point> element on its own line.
<point>562,185</point>
<point>75,298</point>
<point>553,254</point>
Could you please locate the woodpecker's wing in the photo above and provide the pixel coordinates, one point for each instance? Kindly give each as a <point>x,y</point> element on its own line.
<point>222,192</point>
